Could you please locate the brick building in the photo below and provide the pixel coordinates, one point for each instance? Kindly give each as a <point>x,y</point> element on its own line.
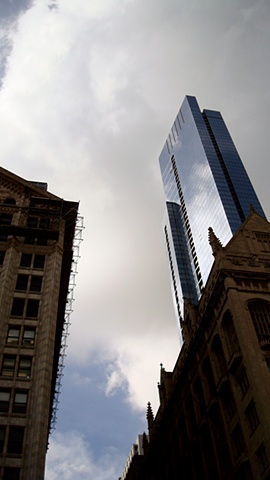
<point>36,253</point>
<point>214,418</point>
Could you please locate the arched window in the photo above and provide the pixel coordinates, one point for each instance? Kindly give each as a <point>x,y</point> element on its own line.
<point>199,399</point>
<point>209,379</point>
<point>230,334</point>
<point>218,354</point>
<point>260,314</point>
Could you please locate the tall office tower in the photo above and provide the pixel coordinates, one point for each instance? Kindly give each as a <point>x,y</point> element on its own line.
<point>37,231</point>
<point>205,185</point>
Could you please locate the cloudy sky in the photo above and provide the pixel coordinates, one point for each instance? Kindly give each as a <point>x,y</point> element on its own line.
<point>89,91</point>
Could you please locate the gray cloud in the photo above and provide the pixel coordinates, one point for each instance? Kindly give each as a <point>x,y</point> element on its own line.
<point>10,9</point>
<point>87,102</point>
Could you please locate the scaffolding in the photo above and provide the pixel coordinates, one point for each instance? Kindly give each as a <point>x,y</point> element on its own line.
<point>68,310</point>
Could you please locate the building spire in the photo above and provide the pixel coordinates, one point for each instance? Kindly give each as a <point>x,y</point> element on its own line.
<point>150,417</point>
<point>214,241</point>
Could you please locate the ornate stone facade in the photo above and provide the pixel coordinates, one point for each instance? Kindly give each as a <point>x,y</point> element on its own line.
<point>36,236</point>
<point>214,418</point>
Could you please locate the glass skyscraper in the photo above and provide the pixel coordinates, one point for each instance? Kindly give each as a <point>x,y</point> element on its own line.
<point>205,185</point>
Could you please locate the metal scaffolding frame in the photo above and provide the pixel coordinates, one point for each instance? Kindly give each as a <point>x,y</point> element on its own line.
<point>68,310</point>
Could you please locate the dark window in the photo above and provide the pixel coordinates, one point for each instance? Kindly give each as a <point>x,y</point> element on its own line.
<point>190,416</point>
<point>199,396</point>
<point>38,222</point>
<point>22,281</point>
<point>4,400</point>
<point>260,314</point>
<point>262,458</point>
<point>29,336</point>
<point>2,438</point>
<point>32,222</point>
<point>209,379</point>
<point>243,381</point>
<point>39,261</point>
<point>20,402</point>
<point>8,366</point>
<point>238,441</point>
<point>252,417</point>
<point>35,285</point>
<point>30,240</point>
<point>41,241</point>
<point>17,307</point>
<point>32,308</point>
<point>2,256</point>
<point>24,369</point>
<point>9,201</point>
<point>220,362</point>
<point>230,335</point>
<point>13,335</point>
<point>26,260</point>
<point>44,222</point>
<point>15,440</point>
<point>11,473</point>
<point>5,219</point>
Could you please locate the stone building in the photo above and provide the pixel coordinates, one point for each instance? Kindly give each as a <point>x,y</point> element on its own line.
<point>213,421</point>
<point>36,253</point>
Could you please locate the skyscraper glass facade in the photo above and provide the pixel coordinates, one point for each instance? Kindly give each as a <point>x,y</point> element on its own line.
<point>205,185</point>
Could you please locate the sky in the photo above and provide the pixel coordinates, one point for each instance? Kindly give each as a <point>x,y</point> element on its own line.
<point>88,93</point>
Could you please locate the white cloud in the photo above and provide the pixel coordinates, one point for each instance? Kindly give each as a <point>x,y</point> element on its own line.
<point>71,459</point>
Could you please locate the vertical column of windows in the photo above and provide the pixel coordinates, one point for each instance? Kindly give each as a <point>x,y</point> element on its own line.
<point>28,284</point>
<point>187,225</point>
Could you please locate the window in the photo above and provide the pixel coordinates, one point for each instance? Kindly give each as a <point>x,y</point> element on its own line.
<point>29,336</point>
<point>8,366</point>
<point>2,256</point>
<point>252,417</point>
<point>230,335</point>
<point>208,379</point>
<point>17,307</point>
<point>15,440</point>
<point>36,282</point>
<point>243,381</point>
<point>24,369</point>
<point>26,260</point>
<point>260,314</point>
<point>39,261</point>
<point>22,281</point>
<point>9,201</point>
<point>261,457</point>
<point>11,473</point>
<point>200,403</point>
<point>220,362</point>
<point>13,335</point>
<point>35,240</point>
<point>238,441</point>
<point>2,438</point>
<point>4,400</point>
<point>5,219</point>
<point>32,308</point>
<point>20,402</point>
<point>38,222</point>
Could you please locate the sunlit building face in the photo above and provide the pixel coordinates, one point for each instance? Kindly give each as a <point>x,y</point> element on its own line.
<point>205,185</point>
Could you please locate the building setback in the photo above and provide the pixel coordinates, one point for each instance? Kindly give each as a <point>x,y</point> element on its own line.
<point>205,184</point>
<point>214,418</point>
<point>36,249</point>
